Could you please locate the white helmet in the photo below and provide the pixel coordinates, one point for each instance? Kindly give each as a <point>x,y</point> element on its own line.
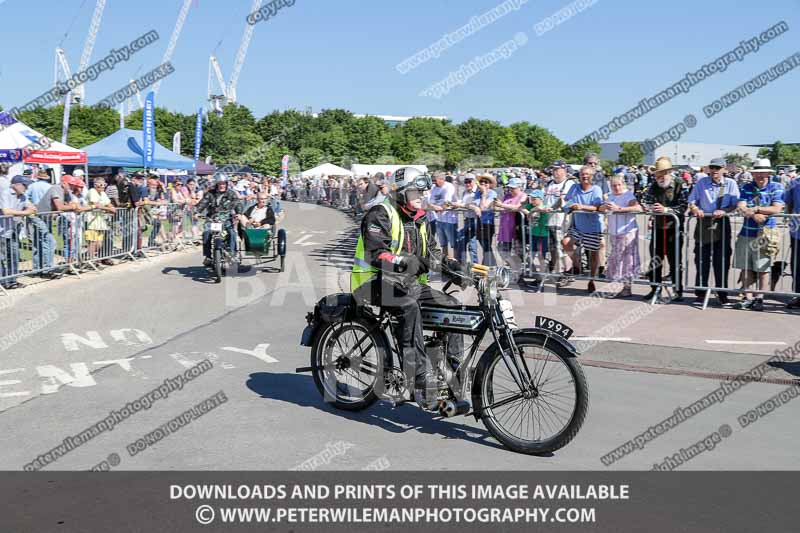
<point>408,178</point>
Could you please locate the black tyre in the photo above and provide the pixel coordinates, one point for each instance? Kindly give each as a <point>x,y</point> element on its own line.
<point>348,381</point>
<point>218,265</point>
<point>537,424</point>
<point>281,242</point>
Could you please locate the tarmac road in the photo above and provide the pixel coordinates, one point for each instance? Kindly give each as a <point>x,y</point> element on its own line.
<point>74,350</point>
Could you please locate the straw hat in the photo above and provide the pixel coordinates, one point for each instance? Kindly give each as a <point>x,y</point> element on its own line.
<point>492,179</point>
<point>663,164</point>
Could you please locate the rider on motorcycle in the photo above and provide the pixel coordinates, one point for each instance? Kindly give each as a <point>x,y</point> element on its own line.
<point>220,204</point>
<point>394,254</point>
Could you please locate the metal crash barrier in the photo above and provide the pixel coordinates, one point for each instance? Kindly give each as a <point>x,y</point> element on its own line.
<point>56,243</point>
<point>40,244</point>
<point>718,256</point>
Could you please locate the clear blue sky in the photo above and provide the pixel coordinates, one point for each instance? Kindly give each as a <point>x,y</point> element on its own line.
<point>343,53</point>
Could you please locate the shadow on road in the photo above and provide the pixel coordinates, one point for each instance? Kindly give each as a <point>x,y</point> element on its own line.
<point>300,390</point>
<point>195,273</point>
<point>338,253</point>
<point>790,368</point>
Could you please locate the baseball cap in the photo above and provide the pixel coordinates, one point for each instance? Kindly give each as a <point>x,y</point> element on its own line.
<point>78,173</point>
<point>718,162</point>
<point>515,183</point>
<point>535,193</point>
<point>21,179</point>
<point>559,164</point>
<point>469,177</point>
<point>67,178</point>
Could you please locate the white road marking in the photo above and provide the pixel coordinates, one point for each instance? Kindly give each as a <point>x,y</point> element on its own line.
<point>771,343</point>
<point>124,363</point>
<point>259,352</point>
<point>12,382</point>
<point>612,339</point>
<point>185,362</point>
<point>57,376</point>
<point>92,339</point>
<point>145,357</point>
<point>120,335</point>
<point>302,241</point>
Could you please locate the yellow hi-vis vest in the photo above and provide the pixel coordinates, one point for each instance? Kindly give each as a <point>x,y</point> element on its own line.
<point>363,272</point>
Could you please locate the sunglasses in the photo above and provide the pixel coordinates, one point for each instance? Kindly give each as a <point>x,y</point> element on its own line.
<point>715,168</point>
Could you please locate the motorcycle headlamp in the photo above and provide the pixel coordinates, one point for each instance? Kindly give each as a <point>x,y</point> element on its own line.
<point>492,289</point>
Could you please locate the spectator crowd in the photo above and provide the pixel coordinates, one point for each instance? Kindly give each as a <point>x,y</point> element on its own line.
<point>542,224</point>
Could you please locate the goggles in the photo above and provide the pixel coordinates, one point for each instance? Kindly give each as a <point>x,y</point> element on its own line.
<point>422,182</point>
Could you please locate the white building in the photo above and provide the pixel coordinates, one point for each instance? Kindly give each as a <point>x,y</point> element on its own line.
<point>394,120</point>
<point>682,153</point>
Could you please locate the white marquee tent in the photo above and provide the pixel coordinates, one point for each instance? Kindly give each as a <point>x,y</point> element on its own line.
<point>369,170</point>
<point>17,143</point>
<point>326,169</point>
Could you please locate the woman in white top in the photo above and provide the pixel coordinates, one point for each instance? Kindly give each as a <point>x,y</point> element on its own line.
<point>623,232</point>
<point>97,220</point>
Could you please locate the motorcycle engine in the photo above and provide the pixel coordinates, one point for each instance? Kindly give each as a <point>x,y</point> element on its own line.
<point>436,349</point>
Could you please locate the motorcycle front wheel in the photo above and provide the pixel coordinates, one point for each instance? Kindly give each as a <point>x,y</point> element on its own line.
<point>218,265</point>
<point>346,362</point>
<point>532,423</point>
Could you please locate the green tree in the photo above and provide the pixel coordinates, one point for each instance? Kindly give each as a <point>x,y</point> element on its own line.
<point>480,137</point>
<point>742,160</point>
<point>309,157</point>
<point>367,139</point>
<point>510,152</point>
<point>575,153</point>
<point>631,154</point>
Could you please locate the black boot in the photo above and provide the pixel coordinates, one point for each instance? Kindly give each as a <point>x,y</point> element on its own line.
<point>654,292</point>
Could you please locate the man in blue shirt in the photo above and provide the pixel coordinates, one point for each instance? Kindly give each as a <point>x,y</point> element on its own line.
<point>758,243</point>
<point>12,204</point>
<point>792,200</point>
<point>38,188</point>
<point>711,199</point>
<point>485,197</point>
<point>587,230</point>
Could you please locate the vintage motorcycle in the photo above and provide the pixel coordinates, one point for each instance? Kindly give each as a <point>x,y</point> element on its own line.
<point>221,256</point>
<point>527,387</point>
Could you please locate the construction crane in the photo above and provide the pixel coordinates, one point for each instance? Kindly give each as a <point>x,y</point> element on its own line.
<point>173,42</point>
<point>229,90</point>
<point>78,95</point>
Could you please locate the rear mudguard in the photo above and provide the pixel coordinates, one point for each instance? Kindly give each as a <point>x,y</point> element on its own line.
<point>483,363</point>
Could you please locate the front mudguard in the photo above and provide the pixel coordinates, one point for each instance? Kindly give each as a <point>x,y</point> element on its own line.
<point>546,336</point>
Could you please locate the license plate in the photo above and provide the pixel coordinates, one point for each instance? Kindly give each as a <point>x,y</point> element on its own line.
<point>562,330</point>
<point>216,226</point>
